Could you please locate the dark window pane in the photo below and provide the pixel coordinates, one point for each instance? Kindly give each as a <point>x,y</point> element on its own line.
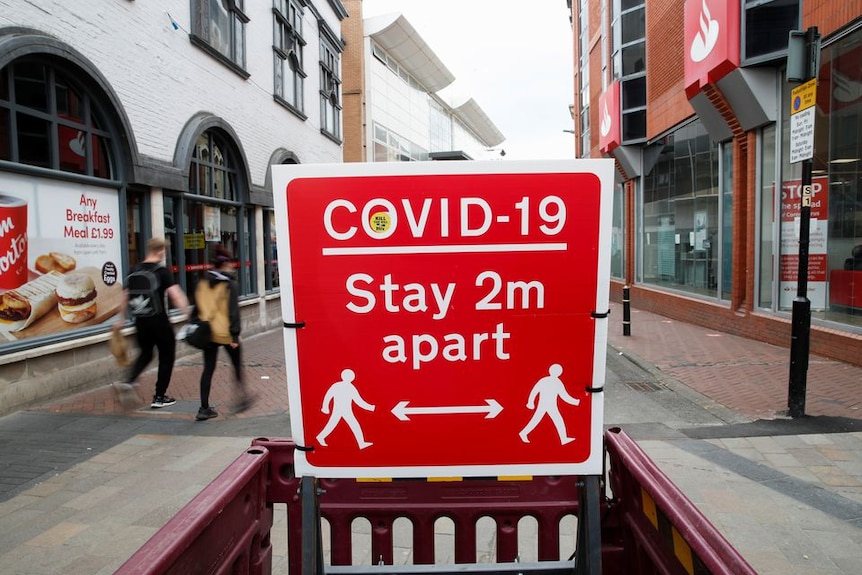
<point>767,27</point>
<point>626,4</point>
<point>102,158</point>
<point>69,102</point>
<point>634,58</point>
<point>4,84</point>
<point>5,146</point>
<point>634,93</point>
<point>633,27</point>
<point>31,87</point>
<point>634,126</point>
<point>34,142</point>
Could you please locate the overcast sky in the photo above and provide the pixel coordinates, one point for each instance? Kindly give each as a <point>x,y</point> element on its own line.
<point>513,58</point>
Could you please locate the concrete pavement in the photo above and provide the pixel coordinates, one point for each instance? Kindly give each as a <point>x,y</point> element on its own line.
<point>84,484</point>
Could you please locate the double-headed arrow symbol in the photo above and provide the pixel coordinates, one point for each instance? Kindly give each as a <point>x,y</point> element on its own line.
<point>492,408</point>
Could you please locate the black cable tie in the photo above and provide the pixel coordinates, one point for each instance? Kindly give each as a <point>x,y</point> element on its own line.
<point>597,315</point>
<point>303,448</point>
<point>595,389</point>
<point>294,325</point>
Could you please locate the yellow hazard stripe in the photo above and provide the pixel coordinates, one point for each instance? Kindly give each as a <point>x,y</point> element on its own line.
<point>682,551</point>
<point>649,508</point>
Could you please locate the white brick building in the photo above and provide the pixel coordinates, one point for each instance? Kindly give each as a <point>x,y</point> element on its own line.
<point>123,120</point>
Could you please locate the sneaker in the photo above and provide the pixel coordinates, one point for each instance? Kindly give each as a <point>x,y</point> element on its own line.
<point>127,394</point>
<point>163,401</point>
<point>205,413</point>
<point>243,405</point>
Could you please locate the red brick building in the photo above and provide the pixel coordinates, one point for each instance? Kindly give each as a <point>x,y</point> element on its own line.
<point>692,101</point>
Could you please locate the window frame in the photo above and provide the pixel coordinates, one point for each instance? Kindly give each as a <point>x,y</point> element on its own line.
<point>288,46</point>
<point>201,34</point>
<point>330,85</point>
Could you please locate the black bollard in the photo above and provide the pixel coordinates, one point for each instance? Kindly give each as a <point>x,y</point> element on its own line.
<point>627,312</point>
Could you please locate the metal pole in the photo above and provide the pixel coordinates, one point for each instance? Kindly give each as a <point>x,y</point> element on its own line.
<point>627,311</point>
<point>801,319</point>
<point>588,558</point>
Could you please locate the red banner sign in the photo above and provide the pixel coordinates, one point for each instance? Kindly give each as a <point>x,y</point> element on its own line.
<point>712,41</point>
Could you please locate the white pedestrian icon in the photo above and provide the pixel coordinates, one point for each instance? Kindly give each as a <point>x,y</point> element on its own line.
<point>548,390</point>
<point>339,399</point>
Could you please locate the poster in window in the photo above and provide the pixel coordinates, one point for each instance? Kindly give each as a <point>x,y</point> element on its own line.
<point>791,209</point>
<point>60,256</point>
<point>212,224</point>
<point>700,229</point>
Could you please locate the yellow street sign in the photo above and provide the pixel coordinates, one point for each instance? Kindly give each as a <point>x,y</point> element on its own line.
<point>803,96</point>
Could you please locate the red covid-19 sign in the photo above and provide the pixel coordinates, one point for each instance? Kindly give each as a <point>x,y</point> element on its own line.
<point>445,319</point>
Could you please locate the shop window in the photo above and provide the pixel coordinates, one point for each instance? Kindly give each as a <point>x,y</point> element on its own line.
<point>681,228</point>
<point>270,250</point>
<point>218,26</point>
<point>217,216</point>
<point>618,237</point>
<point>63,132</point>
<point>288,47</point>
<point>768,198</point>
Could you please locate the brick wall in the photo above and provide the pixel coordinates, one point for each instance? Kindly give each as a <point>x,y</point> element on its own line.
<point>668,104</point>
<point>353,87</point>
<point>829,15</point>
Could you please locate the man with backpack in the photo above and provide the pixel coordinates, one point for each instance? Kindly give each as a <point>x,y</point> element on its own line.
<point>144,300</point>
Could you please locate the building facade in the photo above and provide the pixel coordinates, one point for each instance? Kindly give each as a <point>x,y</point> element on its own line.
<point>396,106</point>
<point>692,101</point>
<point>123,120</point>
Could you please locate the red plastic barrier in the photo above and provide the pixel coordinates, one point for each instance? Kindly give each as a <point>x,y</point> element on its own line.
<point>647,527</point>
<point>225,528</point>
<point>546,499</point>
<point>661,530</point>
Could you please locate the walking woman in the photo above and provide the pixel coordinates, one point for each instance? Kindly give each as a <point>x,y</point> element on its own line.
<point>217,301</point>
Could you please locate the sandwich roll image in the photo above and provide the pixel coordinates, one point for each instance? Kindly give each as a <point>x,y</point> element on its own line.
<point>76,298</point>
<point>22,306</point>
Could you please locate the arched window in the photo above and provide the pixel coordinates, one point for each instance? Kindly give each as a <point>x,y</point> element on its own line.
<point>49,120</point>
<point>213,212</point>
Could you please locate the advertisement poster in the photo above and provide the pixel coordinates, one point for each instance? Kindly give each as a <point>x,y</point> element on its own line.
<point>60,256</point>
<point>212,224</point>
<point>791,208</point>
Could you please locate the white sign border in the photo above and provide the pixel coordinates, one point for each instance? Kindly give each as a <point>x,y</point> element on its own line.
<point>603,169</point>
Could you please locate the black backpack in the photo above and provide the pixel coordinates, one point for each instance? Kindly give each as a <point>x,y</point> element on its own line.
<point>143,287</point>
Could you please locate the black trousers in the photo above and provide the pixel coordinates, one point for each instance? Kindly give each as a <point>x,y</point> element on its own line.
<point>155,332</point>
<point>210,357</point>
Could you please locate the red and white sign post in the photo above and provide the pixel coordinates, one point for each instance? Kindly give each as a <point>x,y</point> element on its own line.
<point>448,315</point>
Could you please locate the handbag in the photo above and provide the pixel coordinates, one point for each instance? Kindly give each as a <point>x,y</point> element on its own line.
<point>118,347</point>
<point>198,333</point>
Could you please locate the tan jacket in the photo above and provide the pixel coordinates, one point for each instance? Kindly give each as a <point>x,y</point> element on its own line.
<point>212,304</point>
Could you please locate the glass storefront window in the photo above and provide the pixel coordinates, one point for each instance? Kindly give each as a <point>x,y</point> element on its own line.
<point>211,214</point>
<point>835,241</point>
<point>726,254</point>
<point>270,250</point>
<point>618,237</point>
<point>840,174</point>
<point>767,209</point>
<point>681,231</point>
